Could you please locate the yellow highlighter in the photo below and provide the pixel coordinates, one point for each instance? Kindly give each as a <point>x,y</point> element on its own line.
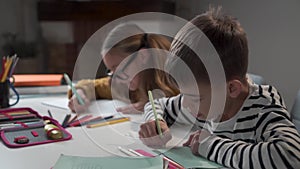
<point>108,122</point>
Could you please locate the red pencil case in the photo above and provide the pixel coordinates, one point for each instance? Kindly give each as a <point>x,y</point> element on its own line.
<point>21,127</point>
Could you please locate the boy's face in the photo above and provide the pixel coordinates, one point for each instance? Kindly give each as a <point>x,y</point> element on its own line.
<point>197,104</point>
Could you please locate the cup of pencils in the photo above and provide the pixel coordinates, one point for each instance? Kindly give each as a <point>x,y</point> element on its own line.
<point>7,66</point>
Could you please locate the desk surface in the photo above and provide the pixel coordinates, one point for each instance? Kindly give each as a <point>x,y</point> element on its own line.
<point>101,141</point>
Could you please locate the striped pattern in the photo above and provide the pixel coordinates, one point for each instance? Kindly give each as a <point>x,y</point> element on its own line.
<point>260,136</point>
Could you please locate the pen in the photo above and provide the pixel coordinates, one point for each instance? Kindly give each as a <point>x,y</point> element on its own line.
<point>65,122</point>
<point>155,114</point>
<point>126,151</point>
<point>108,122</point>
<point>80,100</point>
<point>136,153</point>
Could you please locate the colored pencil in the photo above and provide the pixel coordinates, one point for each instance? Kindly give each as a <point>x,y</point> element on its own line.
<point>155,114</point>
<point>79,121</point>
<point>96,120</point>
<point>108,122</point>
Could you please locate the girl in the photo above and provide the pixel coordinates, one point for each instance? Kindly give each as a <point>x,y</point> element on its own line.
<point>113,54</point>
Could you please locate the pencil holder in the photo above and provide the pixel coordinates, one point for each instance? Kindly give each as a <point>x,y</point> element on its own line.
<point>4,96</point>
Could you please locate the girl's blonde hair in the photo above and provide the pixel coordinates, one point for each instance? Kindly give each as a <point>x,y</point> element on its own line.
<point>153,78</point>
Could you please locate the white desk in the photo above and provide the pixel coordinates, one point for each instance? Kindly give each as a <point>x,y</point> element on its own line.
<point>101,141</point>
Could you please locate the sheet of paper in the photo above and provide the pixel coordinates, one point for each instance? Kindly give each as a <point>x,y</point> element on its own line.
<point>61,103</point>
<point>184,157</point>
<point>75,162</point>
<point>105,107</point>
<point>97,108</point>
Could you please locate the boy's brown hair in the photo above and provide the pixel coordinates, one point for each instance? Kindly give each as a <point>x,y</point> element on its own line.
<point>228,38</point>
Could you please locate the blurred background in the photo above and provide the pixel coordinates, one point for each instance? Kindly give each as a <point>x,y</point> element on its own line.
<point>47,35</point>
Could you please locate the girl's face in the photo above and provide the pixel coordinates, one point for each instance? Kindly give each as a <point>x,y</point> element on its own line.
<point>113,59</point>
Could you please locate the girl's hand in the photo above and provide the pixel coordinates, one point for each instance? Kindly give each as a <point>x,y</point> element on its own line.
<point>149,135</point>
<point>135,108</point>
<point>74,104</point>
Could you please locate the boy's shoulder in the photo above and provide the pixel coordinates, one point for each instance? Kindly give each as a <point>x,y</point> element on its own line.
<point>265,96</point>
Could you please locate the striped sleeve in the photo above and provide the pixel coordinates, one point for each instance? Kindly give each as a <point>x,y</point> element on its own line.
<point>276,146</point>
<point>168,109</point>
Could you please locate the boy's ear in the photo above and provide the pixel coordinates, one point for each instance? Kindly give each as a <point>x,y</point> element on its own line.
<point>234,88</point>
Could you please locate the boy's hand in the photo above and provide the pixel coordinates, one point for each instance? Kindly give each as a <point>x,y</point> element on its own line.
<point>195,139</point>
<point>74,104</point>
<point>193,142</point>
<point>150,137</point>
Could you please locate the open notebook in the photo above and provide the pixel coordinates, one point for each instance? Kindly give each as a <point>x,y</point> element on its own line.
<point>181,155</point>
<point>75,162</point>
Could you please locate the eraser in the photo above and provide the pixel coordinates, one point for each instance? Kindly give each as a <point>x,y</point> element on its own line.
<point>21,140</point>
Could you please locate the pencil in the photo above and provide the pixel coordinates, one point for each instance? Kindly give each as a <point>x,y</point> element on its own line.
<point>80,100</point>
<point>108,122</point>
<point>6,70</point>
<point>96,120</point>
<point>19,117</point>
<point>17,113</point>
<point>50,115</point>
<point>155,114</point>
<point>80,120</point>
<point>72,119</point>
<point>172,163</point>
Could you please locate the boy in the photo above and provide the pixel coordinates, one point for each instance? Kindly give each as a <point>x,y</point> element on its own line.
<point>253,131</point>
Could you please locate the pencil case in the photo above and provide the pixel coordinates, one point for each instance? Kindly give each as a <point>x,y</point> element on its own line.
<point>22,127</point>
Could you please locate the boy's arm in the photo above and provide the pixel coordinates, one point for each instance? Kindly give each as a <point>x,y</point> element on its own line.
<point>277,146</point>
<point>169,110</point>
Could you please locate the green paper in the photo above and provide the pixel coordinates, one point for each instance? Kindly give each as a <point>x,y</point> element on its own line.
<point>76,162</point>
<point>185,157</point>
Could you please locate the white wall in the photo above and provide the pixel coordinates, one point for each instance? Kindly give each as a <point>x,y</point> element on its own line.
<point>273,29</point>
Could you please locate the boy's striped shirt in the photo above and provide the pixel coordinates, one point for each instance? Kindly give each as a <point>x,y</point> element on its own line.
<point>260,135</point>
